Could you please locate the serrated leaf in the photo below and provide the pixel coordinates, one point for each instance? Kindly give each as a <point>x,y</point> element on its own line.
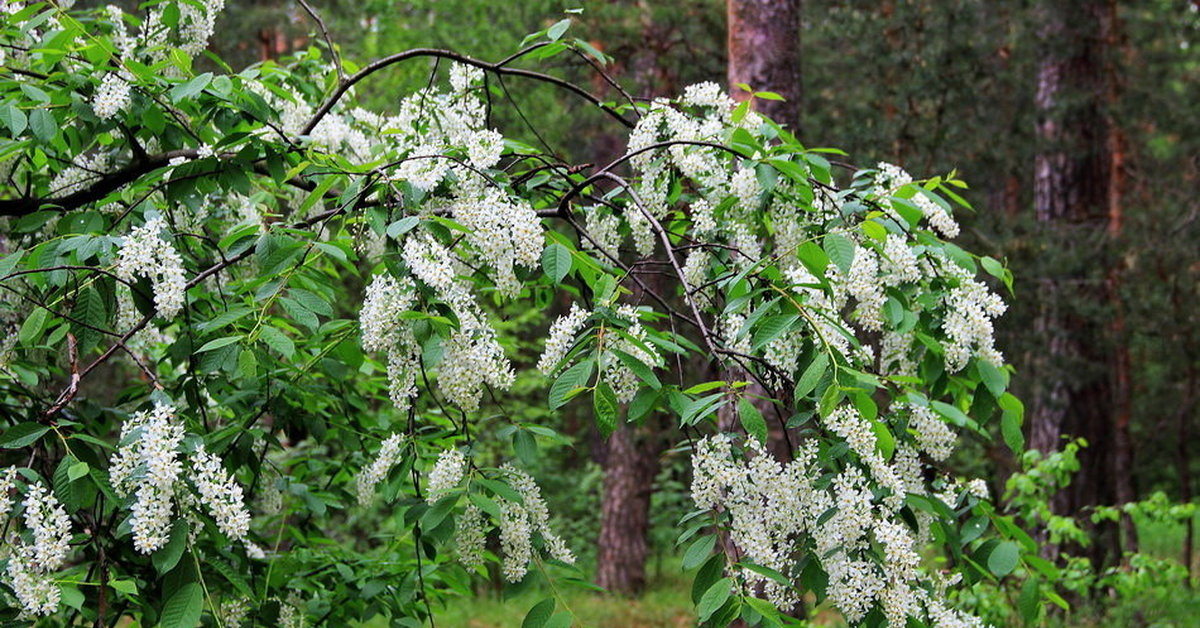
<point>190,88</point>
<point>752,420</point>
<point>556,31</point>
<point>840,250</point>
<point>714,598</point>
<point>42,122</point>
<point>1003,559</point>
<point>90,311</point>
<point>699,551</point>
<point>167,556</point>
<point>604,403</point>
<point>812,375</point>
<point>539,614</point>
<point>184,607</point>
<point>575,377</point>
<point>218,343</point>
<point>556,261</point>
<point>1030,601</point>
<point>22,435</point>
<point>77,470</point>
<point>14,119</point>
<point>276,340</point>
<point>31,330</point>
<point>639,368</point>
<point>526,446</point>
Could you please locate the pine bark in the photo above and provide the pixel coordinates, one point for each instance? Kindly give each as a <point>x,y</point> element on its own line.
<point>1077,199</point>
<point>764,53</point>
<point>631,463</point>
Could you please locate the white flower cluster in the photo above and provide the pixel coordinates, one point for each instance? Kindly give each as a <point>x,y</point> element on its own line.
<point>220,494</point>
<point>31,565</point>
<point>970,307</point>
<point>388,457</point>
<point>384,329</point>
<point>145,252</point>
<point>148,467</point>
<point>636,344</point>
<point>470,535</point>
<point>562,335</point>
<point>775,510</point>
<point>112,96</point>
<point>518,524</point>
<point>447,474</point>
<point>889,178</point>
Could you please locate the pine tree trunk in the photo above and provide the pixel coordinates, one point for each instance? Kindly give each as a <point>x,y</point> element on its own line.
<point>1084,366</point>
<point>764,53</point>
<point>631,462</point>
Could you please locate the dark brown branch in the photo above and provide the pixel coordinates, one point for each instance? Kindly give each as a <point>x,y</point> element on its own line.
<point>495,68</point>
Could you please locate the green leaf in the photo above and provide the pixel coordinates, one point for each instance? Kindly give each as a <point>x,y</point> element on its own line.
<point>1011,421</point>
<point>812,375</point>
<point>752,420</point>
<point>191,88</point>
<point>571,379</point>
<point>128,587</point>
<point>973,529</point>
<point>995,379</point>
<point>89,310</point>
<point>699,551</point>
<point>714,598</point>
<point>14,119</point>
<point>951,413</point>
<point>604,402</point>
<point>639,368</point>
<point>813,258</point>
<point>884,441</point>
<point>43,124</point>
<point>556,31</point>
<point>183,607</point>
<point>31,329</point>
<point>1003,559</point>
<point>402,226</point>
<point>218,343</point>
<point>10,262</point>
<point>539,614</point>
<point>556,261</point>
<point>77,470</point>
<point>1010,428</point>
<point>1030,600</point>
<point>276,340</point>
<point>22,435</point>
<point>167,556</point>
<point>526,446</point>
<point>840,250</point>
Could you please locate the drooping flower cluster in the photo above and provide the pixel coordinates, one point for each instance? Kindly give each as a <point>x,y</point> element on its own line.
<point>562,335</point>
<point>449,471</point>
<point>388,457</point>
<point>146,253</point>
<point>518,524</point>
<point>634,343</point>
<point>148,468</point>
<point>220,494</point>
<point>777,512</point>
<point>31,565</point>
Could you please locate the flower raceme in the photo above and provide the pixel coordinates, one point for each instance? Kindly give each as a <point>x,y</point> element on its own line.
<point>831,299</point>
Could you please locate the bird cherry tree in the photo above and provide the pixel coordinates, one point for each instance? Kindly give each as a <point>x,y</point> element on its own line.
<point>293,304</point>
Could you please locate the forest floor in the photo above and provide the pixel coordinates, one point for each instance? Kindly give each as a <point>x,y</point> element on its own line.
<point>667,601</point>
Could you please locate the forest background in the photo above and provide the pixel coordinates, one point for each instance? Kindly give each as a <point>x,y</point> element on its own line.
<point>1076,125</point>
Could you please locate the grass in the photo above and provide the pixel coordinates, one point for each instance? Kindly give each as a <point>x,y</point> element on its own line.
<point>666,603</point>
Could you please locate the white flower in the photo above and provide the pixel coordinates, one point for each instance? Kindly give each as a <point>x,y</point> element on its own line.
<point>145,252</point>
<point>471,537</point>
<point>220,494</point>
<point>111,97</point>
<point>562,335</point>
<point>447,473</point>
<point>385,459</point>
<point>150,441</point>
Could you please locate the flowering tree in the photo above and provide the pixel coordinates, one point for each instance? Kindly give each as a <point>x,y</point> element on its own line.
<point>297,297</point>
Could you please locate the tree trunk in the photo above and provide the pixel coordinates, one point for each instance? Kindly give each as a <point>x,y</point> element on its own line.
<point>631,462</point>
<point>764,53</point>
<point>1077,199</point>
